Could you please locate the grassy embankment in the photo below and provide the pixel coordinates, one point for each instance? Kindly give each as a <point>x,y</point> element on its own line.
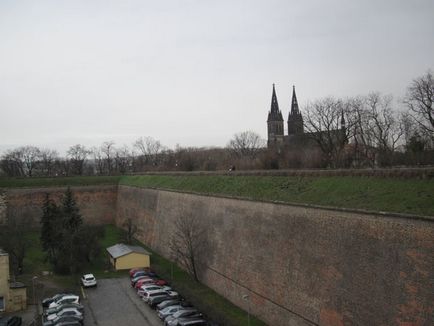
<point>412,196</point>
<point>58,182</point>
<point>202,297</point>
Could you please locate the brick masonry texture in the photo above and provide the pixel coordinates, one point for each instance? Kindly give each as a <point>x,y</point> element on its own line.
<point>300,265</point>
<point>97,203</point>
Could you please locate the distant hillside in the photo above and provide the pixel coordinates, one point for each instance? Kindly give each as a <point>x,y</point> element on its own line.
<point>412,196</point>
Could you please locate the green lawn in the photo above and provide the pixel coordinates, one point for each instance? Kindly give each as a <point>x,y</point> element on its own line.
<point>412,196</point>
<point>205,299</point>
<point>58,182</point>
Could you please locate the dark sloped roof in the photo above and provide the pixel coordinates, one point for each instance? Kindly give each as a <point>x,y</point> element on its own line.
<point>17,285</point>
<point>120,249</point>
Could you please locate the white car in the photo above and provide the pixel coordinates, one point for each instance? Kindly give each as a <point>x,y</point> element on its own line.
<point>147,295</point>
<point>71,298</point>
<point>144,289</point>
<point>65,312</point>
<point>88,280</point>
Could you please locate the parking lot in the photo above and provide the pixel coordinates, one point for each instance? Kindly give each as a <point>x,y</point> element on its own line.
<point>115,303</point>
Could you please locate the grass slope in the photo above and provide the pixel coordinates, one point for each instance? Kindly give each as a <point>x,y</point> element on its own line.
<point>58,182</point>
<point>412,196</point>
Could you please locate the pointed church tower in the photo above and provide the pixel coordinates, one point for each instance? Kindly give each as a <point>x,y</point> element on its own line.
<point>274,122</point>
<point>295,119</point>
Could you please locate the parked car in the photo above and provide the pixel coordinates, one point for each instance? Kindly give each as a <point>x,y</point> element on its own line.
<point>160,282</point>
<point>70,298</point>
<point>46,302</point>
<point>55,310</point>
<point>136,279</point>
<point>88,280</point>
<point>150,287</point>
<point>69,323</point>
<point>138,273</point>
<point>187,312</point>
<point>65,312</point>
<point>163,313</point>
<point>192,322</point>
<point>63,319</point>
<point>135,270</point>
<point>144,280</point>
<point>173,302</point>
<point>154,301</point>
<point>11,321</point>
<point>146,296</point>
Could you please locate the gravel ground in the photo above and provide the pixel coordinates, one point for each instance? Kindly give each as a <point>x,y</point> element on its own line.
<point>115,303</point>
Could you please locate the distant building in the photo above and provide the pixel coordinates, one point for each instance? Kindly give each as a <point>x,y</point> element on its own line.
<point>126,257</point>
<point>296,136</point>
<point>13,295</point>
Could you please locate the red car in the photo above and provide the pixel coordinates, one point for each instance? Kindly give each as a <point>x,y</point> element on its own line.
<point>134,270</point>
<point>142,281</point>
<point>138,269</point>
<point>160,282</point>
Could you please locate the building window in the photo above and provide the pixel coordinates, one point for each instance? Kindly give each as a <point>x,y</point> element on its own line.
<point>2,303</point>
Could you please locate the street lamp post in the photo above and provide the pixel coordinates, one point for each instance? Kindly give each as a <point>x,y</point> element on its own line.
<point>247,298</point>
<point>34,278</point>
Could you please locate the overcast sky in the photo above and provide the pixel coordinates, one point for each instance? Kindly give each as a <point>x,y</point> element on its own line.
<point>194,72</point>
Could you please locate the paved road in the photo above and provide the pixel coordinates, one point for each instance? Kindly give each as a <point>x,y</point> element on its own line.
<point>115,303</point>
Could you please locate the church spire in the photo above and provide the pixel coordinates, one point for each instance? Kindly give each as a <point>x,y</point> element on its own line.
<point>295,119</point>
<point>294,104</point>
<point>274,104</point>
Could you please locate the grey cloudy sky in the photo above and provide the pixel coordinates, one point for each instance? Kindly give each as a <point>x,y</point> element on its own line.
<point>193,72</point>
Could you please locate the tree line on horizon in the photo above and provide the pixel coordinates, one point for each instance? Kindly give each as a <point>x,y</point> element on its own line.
<point>376,134</point>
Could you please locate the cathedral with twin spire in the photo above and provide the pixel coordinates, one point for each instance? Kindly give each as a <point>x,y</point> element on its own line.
<point>275,123</point>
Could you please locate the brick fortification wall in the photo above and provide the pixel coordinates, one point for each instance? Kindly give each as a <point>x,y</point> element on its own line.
<point>301,265</point>
<point>97,203</point>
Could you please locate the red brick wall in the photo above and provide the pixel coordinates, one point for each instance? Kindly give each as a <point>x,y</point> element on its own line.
<point>97,203</point>
<point>301,265</point>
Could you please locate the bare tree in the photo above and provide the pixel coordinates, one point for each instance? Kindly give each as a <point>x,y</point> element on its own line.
<point>13,241</point>
<point>328,123</point>
<point>77,155</point>
<point>246,143</point>
<point>31,155</point>
<point>420,99</point>
<point>149,148</point>
<point>131,230</point>
<point>107,149</point>
<point>362,141</point>
<point>22,161</point>
<point>188,242</point>
<point>12,163</point>
<point>123,159</point>
<point>98,160</point>
<point>48,158</point>
<point>385,126</point>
